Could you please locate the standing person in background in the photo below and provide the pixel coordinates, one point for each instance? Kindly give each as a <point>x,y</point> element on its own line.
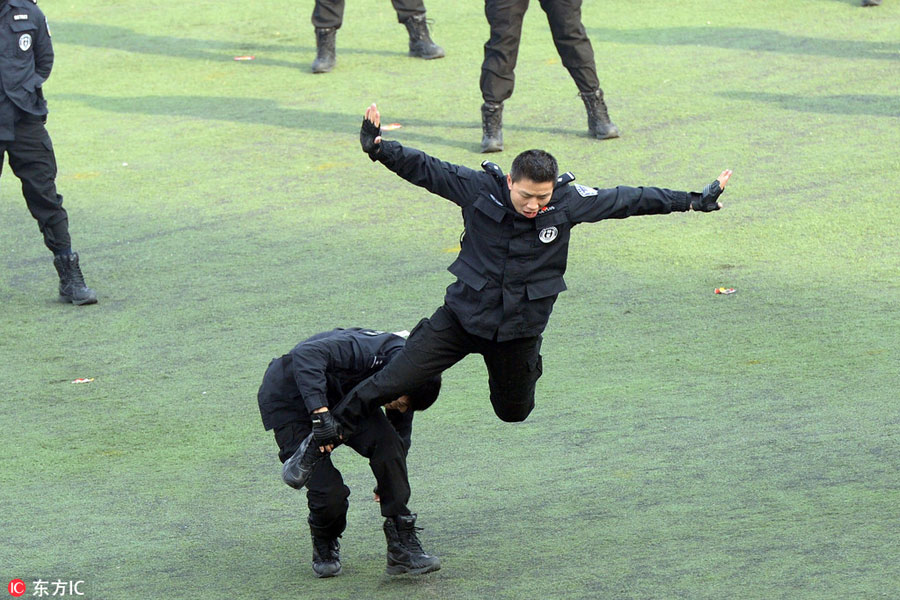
<point>26,59</point>
<point>328,16</point>
<point>502,49</point>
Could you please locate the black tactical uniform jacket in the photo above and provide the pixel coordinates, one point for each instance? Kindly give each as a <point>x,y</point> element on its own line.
<point>26,54</point>
<point>510,268</point>
<point>319,371</point>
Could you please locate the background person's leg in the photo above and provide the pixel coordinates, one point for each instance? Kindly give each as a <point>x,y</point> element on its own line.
<point>572,43</point>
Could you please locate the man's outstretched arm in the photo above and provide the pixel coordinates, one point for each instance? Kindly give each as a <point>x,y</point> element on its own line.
<point>456,183</point>
<point>592,204</point>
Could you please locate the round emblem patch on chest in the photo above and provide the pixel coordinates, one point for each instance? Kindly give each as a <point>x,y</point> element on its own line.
<point>25,42</point>
<point>548,234</point>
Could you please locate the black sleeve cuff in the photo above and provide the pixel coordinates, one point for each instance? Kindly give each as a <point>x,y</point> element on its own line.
<point>681,202</point>
<point>386,152</point>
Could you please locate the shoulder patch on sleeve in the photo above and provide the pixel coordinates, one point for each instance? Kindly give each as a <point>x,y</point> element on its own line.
<point>585,191</point>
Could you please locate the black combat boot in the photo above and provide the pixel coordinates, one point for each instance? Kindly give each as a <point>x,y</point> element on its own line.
<point>599,124</point>
<point>325,51</point>
<point>420,44</point>
<point>326,556</point>
<point>871,2</point>
<point>299,467</point>
<point>404,551</point>
<point>71,282</point>
<point>491,127</point>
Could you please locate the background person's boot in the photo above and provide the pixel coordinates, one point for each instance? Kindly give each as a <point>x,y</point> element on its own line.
<point>491,127</point>
<point>326,55</point>
<point>326,560</point>
<point>71,281</point>
<point>871,2</point>
<point>599,124</point>
<point>404,551</point>
<point>420,43</point>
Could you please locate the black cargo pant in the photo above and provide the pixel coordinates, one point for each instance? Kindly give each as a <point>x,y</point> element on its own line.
<point>330,13</point>
<point>326,493</point>
<point>435,345</point>
<point>32,160</point>
<point>502,49</point>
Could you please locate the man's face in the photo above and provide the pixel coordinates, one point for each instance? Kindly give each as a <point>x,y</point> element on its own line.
<point>401,404</point>
<point>529,197</point>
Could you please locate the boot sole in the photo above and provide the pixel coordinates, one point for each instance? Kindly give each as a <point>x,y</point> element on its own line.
<point>327,575</point>
<point>401,570</point>
<point>426,57</point>
<point>70,300</point>
<point>607,136</point>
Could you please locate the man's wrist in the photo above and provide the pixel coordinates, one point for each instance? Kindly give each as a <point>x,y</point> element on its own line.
<point>387,152</point>
<point>681,202</point>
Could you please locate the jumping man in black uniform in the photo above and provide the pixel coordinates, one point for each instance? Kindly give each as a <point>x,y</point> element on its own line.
<point>26,58</point>
<point>293,400</point>
<point>502,50</point>
<point>509,269</point>
<point>328,16</point>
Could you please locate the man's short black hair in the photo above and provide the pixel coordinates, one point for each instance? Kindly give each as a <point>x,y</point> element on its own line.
<point>424,396</point>
<point>537,165</point>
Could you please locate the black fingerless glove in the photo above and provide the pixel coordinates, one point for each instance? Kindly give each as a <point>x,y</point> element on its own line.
<point>367,134</point>
<point>707,200</point>
<point>325,429</point>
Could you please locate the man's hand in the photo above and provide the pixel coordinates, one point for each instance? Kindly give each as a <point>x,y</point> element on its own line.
<point>326,431</point>
<point>370,132</point>
<point>707,200</point>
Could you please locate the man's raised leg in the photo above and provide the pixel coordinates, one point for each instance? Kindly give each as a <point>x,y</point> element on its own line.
<point>433,346</point>
<point>513,370</point>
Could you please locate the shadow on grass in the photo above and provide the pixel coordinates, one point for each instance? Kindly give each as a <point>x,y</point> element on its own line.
<point>120,38</point>
<point>264,111</point>
<point>857,104</point>
<point>745,38</point>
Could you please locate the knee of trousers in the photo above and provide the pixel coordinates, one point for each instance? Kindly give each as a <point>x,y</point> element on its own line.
<point>515,413</point>
<point>389,449</point>
<point>57,217</point>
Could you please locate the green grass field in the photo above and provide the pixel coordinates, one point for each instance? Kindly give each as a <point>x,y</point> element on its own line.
<point>684,445</point>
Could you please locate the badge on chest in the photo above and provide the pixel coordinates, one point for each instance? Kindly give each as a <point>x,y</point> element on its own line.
<point>548,234</point>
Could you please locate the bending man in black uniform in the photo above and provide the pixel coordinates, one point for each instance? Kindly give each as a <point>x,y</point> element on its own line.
<point>509,269</point>
<point>328,15</point>
<point>294,398</point>
<point>502,50</point>
<point>26,59</point>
